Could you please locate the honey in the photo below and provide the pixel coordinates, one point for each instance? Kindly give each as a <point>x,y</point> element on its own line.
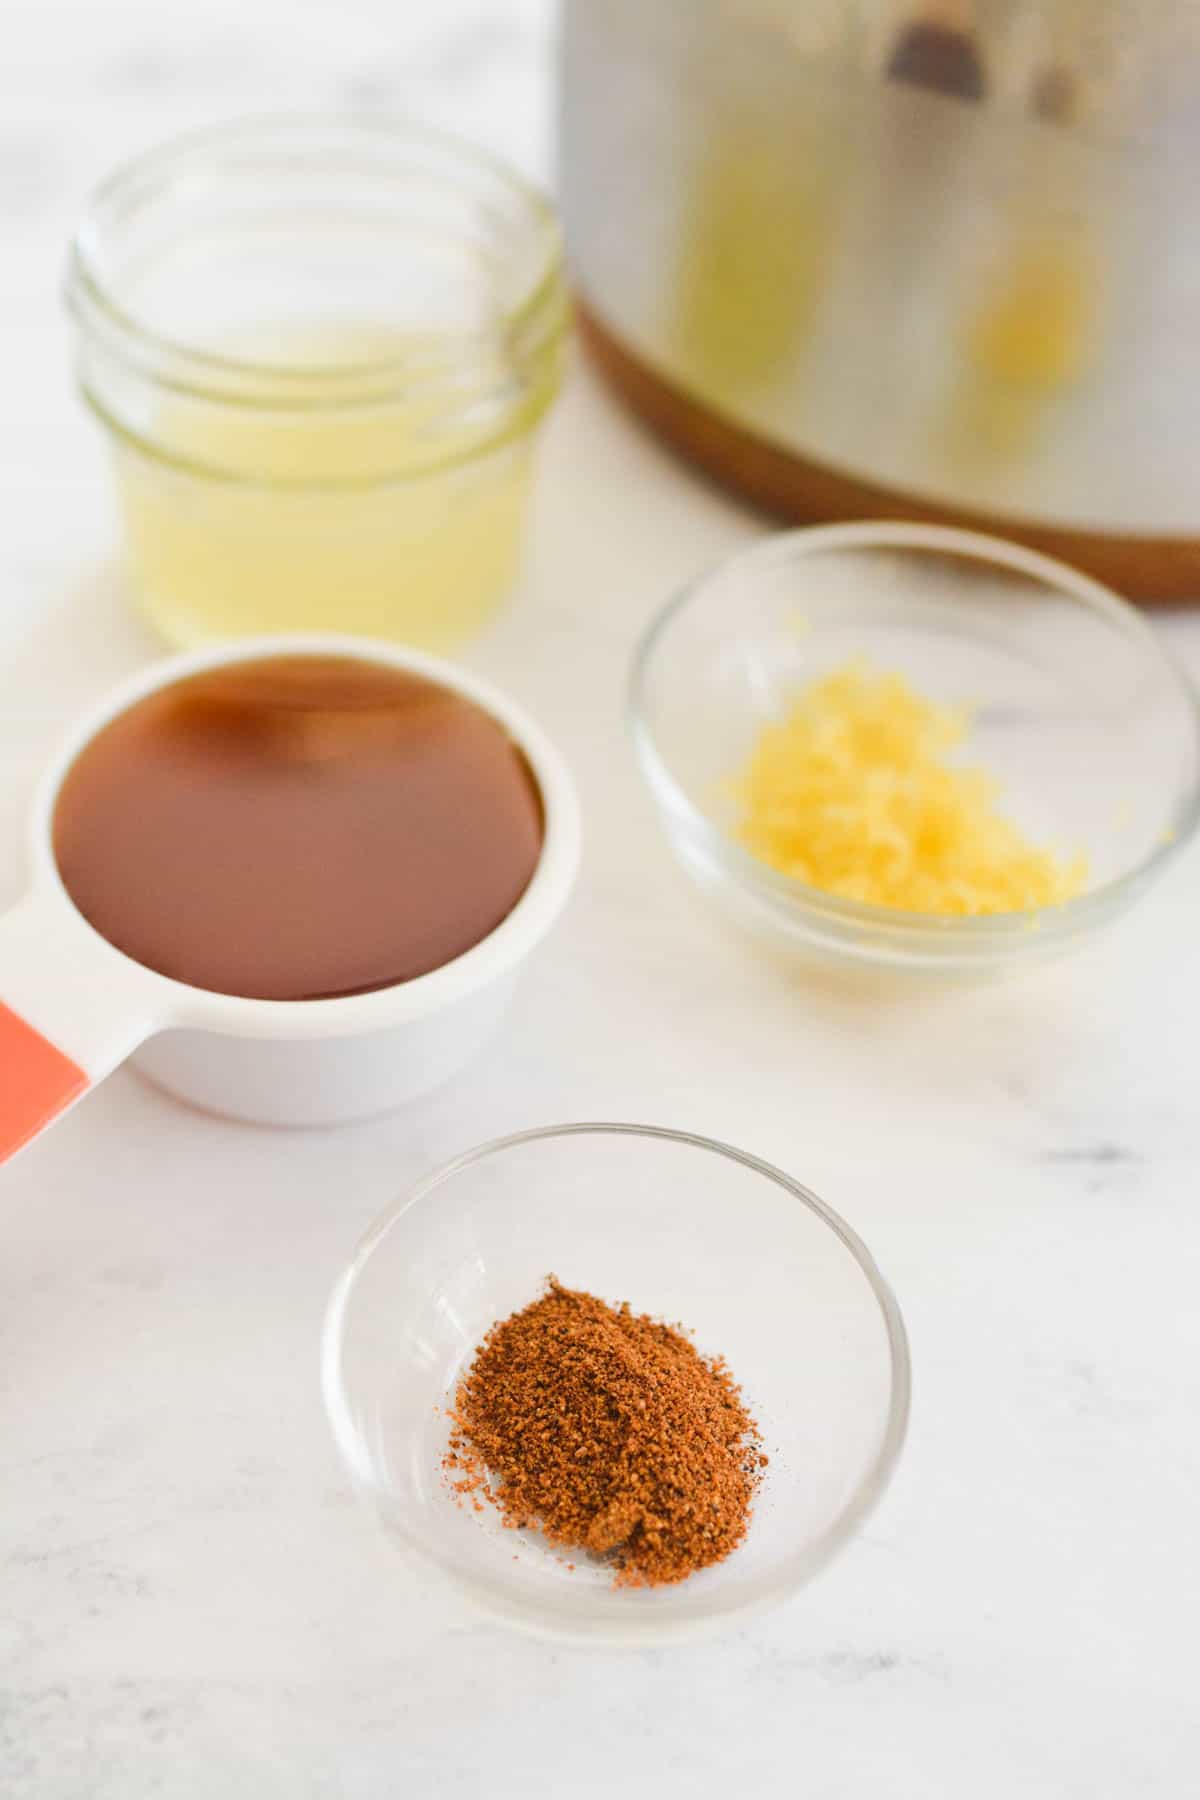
<point>298,828</point>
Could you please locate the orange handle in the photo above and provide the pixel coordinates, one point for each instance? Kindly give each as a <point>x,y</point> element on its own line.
<point>37,1082</point>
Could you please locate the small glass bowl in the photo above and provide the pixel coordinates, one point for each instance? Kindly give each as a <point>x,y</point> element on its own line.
<point>1090,729</point>
<point>320,349</point>
<point>684,1228</point>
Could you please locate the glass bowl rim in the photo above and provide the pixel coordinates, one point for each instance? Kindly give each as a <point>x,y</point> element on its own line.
<point>952,932</point>
<point>630,1626</point>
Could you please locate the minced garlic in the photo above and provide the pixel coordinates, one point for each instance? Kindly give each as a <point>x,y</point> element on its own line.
<point>852,793</point>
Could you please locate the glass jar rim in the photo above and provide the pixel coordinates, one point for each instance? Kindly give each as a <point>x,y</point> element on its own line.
<point>530,324</point>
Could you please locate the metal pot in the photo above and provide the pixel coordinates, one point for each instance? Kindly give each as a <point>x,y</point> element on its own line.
<point>932,260</point>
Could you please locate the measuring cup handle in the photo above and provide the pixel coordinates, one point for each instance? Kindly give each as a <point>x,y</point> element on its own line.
<point>71,1009</point>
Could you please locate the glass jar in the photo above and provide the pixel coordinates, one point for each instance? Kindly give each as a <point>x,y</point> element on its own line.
<point>320,351</point>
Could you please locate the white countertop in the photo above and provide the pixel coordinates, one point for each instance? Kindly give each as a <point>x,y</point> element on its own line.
<point>192,1604</point>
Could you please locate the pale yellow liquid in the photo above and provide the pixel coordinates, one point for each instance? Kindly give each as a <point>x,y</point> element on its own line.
<point>240,520</point>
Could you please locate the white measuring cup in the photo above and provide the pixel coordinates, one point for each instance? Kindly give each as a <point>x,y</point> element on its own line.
<point>73,1006</point>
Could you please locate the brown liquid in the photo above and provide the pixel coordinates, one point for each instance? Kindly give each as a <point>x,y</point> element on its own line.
<point>298,828</point>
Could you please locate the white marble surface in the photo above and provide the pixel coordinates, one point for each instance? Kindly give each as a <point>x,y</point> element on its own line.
<point>191,1603</point>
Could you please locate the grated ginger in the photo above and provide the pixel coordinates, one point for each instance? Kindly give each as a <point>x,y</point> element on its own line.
<point>851,793</point>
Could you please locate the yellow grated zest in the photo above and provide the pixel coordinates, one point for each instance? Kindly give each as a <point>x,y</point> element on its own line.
<point>851,793</point>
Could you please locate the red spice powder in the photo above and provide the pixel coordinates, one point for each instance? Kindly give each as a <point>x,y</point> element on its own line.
<point>609,1432</point>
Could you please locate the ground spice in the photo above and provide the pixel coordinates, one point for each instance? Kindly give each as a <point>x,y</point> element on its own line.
<point>608,1431</point>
